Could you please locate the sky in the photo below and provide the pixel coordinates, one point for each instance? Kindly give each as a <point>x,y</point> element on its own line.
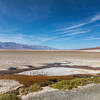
<point>62,24</point>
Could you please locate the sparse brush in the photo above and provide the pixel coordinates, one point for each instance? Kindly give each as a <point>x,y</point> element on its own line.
<point>29,80</point>
<point>34,83</point>
<point>32,88</point>
<point>9,97</point>
<point>74,83</point>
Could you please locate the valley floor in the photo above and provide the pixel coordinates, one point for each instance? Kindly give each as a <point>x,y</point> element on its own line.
<point>30,67</point>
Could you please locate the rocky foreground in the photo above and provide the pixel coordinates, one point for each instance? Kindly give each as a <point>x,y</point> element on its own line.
<point>89,92</point>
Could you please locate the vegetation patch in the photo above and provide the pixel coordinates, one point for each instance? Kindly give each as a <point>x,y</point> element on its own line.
<point>35,83</point>
<point>32,88</point>
<point>30,80</point>
<point>23,90</point>
<point>74,83</point>
<point>9,97</point>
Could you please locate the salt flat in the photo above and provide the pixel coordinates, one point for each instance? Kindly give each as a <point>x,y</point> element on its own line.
<point>95,50</point>
<point>25,58</point>
<point>59,71</point>
<point>53,63</point>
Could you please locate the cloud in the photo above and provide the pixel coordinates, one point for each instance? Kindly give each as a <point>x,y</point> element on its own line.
<point>90,20</point>
<point>98,25</point>
<point>65,35</point>
<point>93,38</point>
<point>74,26</point>
<point>62,33</point>
<point>77,33</point>
<point>20,38</point>
<point>68,32</point>
<point>43,39</point>
<point>74,29</point>
<point>95,18</point>
<point>11,37</point>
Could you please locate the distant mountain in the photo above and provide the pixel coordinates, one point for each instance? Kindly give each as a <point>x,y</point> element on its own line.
<point>12,45</point>
<point>94,48</point>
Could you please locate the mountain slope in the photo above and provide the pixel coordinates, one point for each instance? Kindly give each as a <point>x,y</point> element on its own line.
<point>12,45</point>
<point>94,48</point>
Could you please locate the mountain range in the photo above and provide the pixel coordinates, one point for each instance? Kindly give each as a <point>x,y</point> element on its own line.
<point>12,45</point>
<point>92,48</point>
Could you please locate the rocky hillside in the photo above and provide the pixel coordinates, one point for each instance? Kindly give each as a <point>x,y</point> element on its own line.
<point>12,45</point>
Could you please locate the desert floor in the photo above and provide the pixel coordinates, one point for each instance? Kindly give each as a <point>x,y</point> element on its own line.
<point>52,63</point>
<point>25,59</point>
<point>83,93</point>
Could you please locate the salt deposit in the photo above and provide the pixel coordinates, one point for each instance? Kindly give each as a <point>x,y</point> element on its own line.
<point>96,50</point>
<point>8,85</point>
<point>58,71</point>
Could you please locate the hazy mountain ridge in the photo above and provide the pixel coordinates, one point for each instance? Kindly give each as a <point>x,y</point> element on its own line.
<point>92,48</point>
<point>12,45</point>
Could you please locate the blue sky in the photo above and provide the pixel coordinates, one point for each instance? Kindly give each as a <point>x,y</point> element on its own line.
<point>63,24</point>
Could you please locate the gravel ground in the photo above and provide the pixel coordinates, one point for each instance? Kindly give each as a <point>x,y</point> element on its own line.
<point>90,92</point>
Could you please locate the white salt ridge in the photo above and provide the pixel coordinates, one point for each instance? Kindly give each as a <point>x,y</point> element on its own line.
<point>96,50</point>
<point>58,71</point>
